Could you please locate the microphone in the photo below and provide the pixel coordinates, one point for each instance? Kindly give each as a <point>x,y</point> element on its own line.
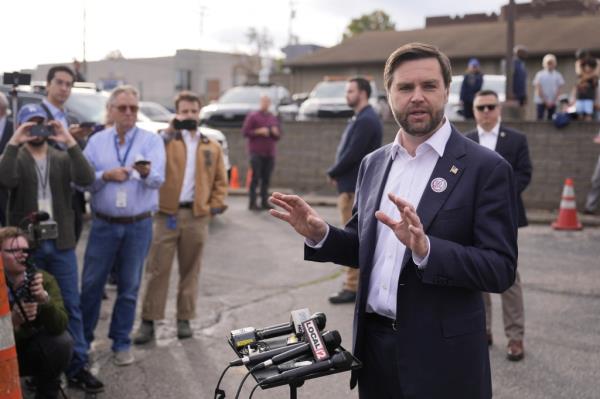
<point>342,360</point>
<point>36,217</point>
<point>332,340</point>
<point>262,356</point>
<point>249,335</point>
<point>288,328</point>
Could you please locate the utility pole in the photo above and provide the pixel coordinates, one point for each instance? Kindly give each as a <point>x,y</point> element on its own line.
<point>510,44</point>
<point>202,12</point>
<point>291,39</point>
<point>84,62</point>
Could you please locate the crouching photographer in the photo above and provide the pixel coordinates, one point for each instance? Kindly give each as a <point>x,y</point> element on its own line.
<point>44,346</point>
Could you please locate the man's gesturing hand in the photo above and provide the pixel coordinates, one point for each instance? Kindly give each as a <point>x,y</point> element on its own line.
<point>304,219</point>
<point>408,229</point>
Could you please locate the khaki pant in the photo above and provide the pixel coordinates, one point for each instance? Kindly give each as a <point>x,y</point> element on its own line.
<point>345,202</point>
<point>513,313</point>
<point>187,237</point>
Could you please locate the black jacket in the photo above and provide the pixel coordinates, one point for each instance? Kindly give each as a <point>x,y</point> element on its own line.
<point>362,136</point>
<point>513,147</point>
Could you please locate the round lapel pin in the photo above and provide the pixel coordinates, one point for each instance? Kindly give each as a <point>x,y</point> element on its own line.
<point>439,184</point>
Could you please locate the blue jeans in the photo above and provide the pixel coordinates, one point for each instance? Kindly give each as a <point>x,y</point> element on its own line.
<point>62,264</point>
<point>125,245</point>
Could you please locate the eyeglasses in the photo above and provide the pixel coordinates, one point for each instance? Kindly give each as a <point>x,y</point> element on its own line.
<point>123,108</point>
<point>484,107</point>
<point>15,250</point>
<point>60,82</point>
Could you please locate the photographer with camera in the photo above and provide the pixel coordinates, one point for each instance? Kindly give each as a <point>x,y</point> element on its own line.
<point>39,179</point>
<point>39,317</point>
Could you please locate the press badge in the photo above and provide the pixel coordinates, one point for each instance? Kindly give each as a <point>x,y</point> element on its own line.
<point>171,222</point>
<point>121,199</point>
<point>44,206</point>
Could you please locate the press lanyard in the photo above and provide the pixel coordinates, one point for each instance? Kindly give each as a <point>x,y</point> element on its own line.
<point>122,161</point>
<point>43,179</point>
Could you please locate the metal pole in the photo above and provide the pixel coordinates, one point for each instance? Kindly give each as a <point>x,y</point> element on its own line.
<point>510,44</point>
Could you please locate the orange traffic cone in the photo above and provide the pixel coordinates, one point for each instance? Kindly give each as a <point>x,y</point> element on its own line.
<point>10,387</point>
<point>567,215</point>
<point>248,177</point>
<point>235,178</point>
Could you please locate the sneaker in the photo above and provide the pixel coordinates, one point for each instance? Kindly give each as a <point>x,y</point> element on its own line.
<point>123,358</point>
<point>253,207</point>
<point>184,330</point>
<point>86,381</point>
<point>145,333</point>
<point>344,296</point>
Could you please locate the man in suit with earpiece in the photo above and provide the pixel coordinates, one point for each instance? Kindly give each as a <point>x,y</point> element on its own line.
<point>512,145</point>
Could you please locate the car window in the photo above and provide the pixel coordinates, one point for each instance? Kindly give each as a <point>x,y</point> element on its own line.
<point>329,90</point>
<point>88,107</point>
<point>248,95</point>
<point>153,111</point>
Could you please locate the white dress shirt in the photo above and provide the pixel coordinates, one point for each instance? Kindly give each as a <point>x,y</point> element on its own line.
<point>189,176</point>
<point>408,178</point>
<point>489,139</point>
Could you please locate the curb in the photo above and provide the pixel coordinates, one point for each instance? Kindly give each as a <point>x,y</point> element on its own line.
<point>535,216</point>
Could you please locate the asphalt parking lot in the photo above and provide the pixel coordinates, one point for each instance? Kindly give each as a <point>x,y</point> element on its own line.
<point>253,275</point>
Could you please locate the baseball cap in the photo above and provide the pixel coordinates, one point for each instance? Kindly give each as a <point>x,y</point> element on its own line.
<point>474,62</point>
<point>30,111</point>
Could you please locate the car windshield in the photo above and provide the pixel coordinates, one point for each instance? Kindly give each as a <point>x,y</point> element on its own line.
<point>329,90</point>
<point>88,107</point>
<point>155,110</point>
<point>247,95</point>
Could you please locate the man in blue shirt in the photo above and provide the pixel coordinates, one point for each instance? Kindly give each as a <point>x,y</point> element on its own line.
<point>129,164</point>
<point>362,136</point>
<point>519,87</point>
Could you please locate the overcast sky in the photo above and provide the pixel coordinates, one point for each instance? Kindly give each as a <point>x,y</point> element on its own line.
<point>46,31</point>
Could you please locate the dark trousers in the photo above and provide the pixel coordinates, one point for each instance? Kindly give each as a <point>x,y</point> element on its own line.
<point>468,110</point>
<point>262,167</point>
<point>542,109</point>
<point>45,357</point>
<point>380,376</point>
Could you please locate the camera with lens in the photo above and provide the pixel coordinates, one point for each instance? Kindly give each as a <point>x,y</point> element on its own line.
<point>23,293</point>
<point>47,230</point>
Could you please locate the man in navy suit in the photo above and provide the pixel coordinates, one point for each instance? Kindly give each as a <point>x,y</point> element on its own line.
<point>512,145</point>
<point>434,224</point>
<point>6,132</point>
<point>362,136</point>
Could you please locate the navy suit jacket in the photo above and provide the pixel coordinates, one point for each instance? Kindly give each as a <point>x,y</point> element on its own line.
<point>6,135</point>
<point>472,227</point>
<point>513,147</point>
<point>362,136</point>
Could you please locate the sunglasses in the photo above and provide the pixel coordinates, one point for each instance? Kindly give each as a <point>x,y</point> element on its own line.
<point>15,250</point>
<point>123,108</point>
<point>482,108</point>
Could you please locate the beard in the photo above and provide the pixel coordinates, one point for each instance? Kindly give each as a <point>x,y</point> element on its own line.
<point>421,129</point>
<point>38,142</point>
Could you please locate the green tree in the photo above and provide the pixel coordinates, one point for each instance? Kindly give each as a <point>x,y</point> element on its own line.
<point>378,20</point>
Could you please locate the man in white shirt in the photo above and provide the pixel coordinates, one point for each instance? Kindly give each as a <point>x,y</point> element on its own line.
<point>548,83</point>
<point>512,145</point>
<point>434,224</point>
<point>195,188</point>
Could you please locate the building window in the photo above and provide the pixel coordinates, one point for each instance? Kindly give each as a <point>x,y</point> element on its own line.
<point>183,79</point>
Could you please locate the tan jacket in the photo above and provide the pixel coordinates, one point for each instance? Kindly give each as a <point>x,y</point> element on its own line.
<point>211,177</point>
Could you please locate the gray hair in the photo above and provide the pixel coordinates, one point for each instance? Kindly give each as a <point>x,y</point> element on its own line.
<point>120,90</point>
<point>3,100</point>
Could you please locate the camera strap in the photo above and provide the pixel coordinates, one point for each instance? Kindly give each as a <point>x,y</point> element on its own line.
<point>45,177</point>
